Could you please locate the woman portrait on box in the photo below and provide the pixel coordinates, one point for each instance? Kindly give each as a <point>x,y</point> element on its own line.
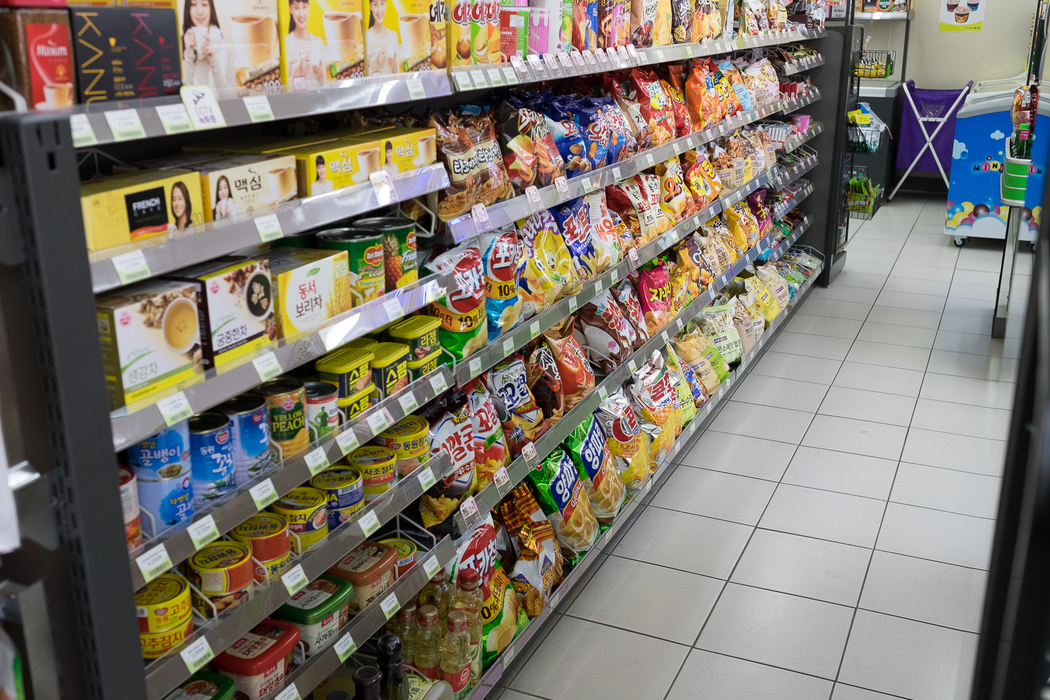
<point>304,51</point>
<point>380,43</point>
<point>181,206</point>
<point>204,55</point>
<point>321,185</point>
<point>225,206</point>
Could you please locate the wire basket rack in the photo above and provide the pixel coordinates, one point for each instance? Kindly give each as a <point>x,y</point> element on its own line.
<point>875,64</point>
<point>866,139</point>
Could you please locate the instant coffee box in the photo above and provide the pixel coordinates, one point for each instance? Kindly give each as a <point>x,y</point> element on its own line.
<point>397,36</point>
<point>322,41</point>
<point>40,57</point>
<point>230,44</point>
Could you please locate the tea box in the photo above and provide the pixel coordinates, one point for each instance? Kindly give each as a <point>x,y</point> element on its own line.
<point>311,287</point>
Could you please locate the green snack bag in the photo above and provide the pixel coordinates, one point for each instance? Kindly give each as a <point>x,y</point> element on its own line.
<point>588,447</point>
<point>559,492</point>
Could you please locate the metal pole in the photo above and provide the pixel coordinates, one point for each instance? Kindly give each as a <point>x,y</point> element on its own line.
<point>1006,272</point>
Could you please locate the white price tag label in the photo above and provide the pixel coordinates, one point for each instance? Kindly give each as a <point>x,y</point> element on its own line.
<point>495,77</point>
<point>648,487</point>
<point>125,124</point>
<point>650,161</point>
<point>507,656</point>
<point>408,403</point>
<point>469,510</point>
<point>263,493</point>
<point>203,532</point>
<point>174,119</point>
<point>517,63</point>
<point>593,59</point>
<point>394,310</point>
<point>438,383</point>
<point>131,267</point>
<point>598,289</point>
<point>426,478</point>
<point>289,693</point>
<point>603,393</point>
<point>632,366</point>
<point>378,421</point>
<point>577,58</point>
<point>625,57</point>
<point>552,65</point>
<point>258,107</point>
<point>431,567</point>
<point>390,605</point>
<point>369,523</point>
<point>588,186</point>
<point>269,228</point>
<point>617,175</point>
<point>555,598</point>
<point>565,62</point>
<point>677,148</point>
<point>83,134</point>
<point>317,461</point>
<point>573,304</point>
<point>633,53</point>
<point>474,366</point>
<point>480,213</point>
<point>268,366</point>
<point>508,346</point>
<point>532,194</point>
<point>689,51</point>
<point>383,187</point>
<point>722,281</point>
<point>202,106</point>
<point>510,76</point>
<point>478,76</point>
<point>633,255</point>
<point>502,481</point>
<point>532,458</point>
<point>345,647</point>
<point>534,328</point>
<point>295,580</point>
<point>562,185</point>
<point>175,408</point>
<point>415,88</point>
<point>660,55</point>
<point>153,563</point>
<point>197,654</point>
<point>347,441</point>
<point>679,323</point>
<point>664,336</point>
<point>463,80</point>
<point>614,276</point>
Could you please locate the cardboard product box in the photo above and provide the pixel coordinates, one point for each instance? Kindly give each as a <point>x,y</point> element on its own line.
<point>403,149</point>
<point>125,53</point>
<point>129,207</point>
<point>230,44</point>
<point>150,339</point>
<point>397,37</point>
<point>235,299</point>
<point>330,165</point>
<point>321,41</point>
<point>439,18</point>
<point>39,50</point>
<point>311,286</point>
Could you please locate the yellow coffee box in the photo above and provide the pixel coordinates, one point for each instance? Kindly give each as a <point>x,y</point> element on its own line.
<point>150,339</point>
<point>131,206</point>
<point>322,41</point>
<point>232,44</point>
<point>311,287</point>
<point>397,36</point>
<point>404,149</point>
<point>332,165</point>
<point>235,301</point>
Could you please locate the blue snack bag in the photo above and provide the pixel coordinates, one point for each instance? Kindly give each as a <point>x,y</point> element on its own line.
<point>575,228</point>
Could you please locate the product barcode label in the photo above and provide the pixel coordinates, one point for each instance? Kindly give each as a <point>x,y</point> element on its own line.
<point>632,365</point>
<point>295,580</point>
<point>431,567</point>
<point>259,109</point>
<point>345,647</point>
<point>617,174</point>
<point>649,159</point>
<point>502,481</point>
<point>203,532</point>
<point>202,106</point>
<point>263,493</point>
<point>426,478</point>
<point>480,213</point>
<point>507,656</point>
<point>562,185</point>
<point>131,267</point>
<point>369,523</point>
<point>415,88</point>
<point>508,346</point>
<point>289,693</point>
<point>554,599</point>
<point>316,461</point>
<point>633,255</point>
<point>532,458</point>
<point>534,329</point>
<point>378,421</point>
<point>125,124</point>
<point>664,336</point>
<point>689,51</point>
<point>474,366</point>
<point>267,366</point>
<point>614,276</point>
<point>565,62</point>
<point>633,53</point>
<point>408,403</point>
<point>679,324</point>
<point>478,76</point>
<point>588,186</point>
<point>463,80</point>
<point>197,654</point>
<point>648,486</point>
<point>174,119</point>
<point>518,64</point>
<point>438,383</point>
<point>347,441</point>
<point>175,408</point>
<point>495,77</point>
<point>598,289</point>
<point>83,134</point>
<point>677,148</point>
<point>393,309</point>
<point>469,510</point>
<point>390,605</point>
<point>603,393</point>
<point>532,194</point>
<point>510,76</point>
<point>153,563</point>
<point>660,55</point>
<point>269,228</point>
<point>572,304</point>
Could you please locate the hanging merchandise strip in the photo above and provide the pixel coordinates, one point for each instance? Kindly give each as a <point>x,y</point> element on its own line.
<point>796,140</point>
<point>793,104</point>
<point>212,388</point>
<point>211,240</point>
<point>803,65</point>
<point>791,173</point>
<point>580,573</point>
<point>295,471</point>
<point>489,497</point>
<point>165,673</point>
<point>783,208</point>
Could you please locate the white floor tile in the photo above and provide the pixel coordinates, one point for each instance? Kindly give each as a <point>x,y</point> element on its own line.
<point>886,355</point>
<point>964,289</point>
<point>581,660</point>
<point>856,437</point>
<point>842,292</point>
<point>977,344</point>
<point>895,334</point>
<point>613,595</point>
<point>867,405</point>
<point>515,695</point>
<point>824,325</point>
<point>803,566</point>
<point>962,323</point>
<point>999,369</point>
<point>910,269</point>
<point>874,256</point>
<point>876,244</point>
<point>969,307</point>
<point>909,659</point>
<point>980,261</point>
<point>823,514</point>
<point>962,452</point>
<point>708,676</point>
<point>927,591</point>
<point>835,309</point>
<point>810,369</point>
<point>911,285</point>
<point>741,454</point>
<point>947,489</point>
<point>909,300</point>
<point>943,258</point>
<point>684,541</point>
<point>962,419</point>
<point>859,279</point>
<point>778,629</point>
<point>725,496</point>
<point>987,279</point>
<point>965,390</point>
<point>890,380</point>
<point>812,345</point>
<point>781,424</point>
<point>838,471</point>
<point>933,534</point>
<point>904,317</point>
<point>849,692</point>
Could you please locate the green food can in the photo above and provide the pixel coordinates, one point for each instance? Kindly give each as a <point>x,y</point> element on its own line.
<point>364,248</point>
<point>399,249</point>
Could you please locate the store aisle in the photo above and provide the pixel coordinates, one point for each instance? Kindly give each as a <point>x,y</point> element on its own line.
<point>829,535</point>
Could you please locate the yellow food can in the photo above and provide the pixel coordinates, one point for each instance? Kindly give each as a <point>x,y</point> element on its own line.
<point>157,644</point>
<point>377,468</point>
<point>307,514</point>
<point>163,604</point>
<point>409,438</point>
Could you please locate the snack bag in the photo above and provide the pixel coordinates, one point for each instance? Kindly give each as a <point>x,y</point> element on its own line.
<point>697,389</point>
<point>697,186</point>
<point>544,381</point>
<point>604,333</point>
<point>654,295</point>
<point>683,123</point>
<point>462,311</point>
<point>456,152</point>
<point>623,233</point>
<point>495,183</point>
<point>566,134</point>
<point>716,322</point>
<point>662,25</point>
<point>579,25</point>
<point>500,252</point>
<point>522,419</point>
<point>653,391</point>
<point>545,270</point>
<point>622,143</point>
<point>744,326</point>
<point>619,86</point>
<point>627,298</point>
<point>730,72</point>
<point>756,204</point>
<point>715,229</point>
<point>655,105</point>
<point>560,495</point>
<point>529,153</point>
<point>577,378</point>
<point>768,302</point>
<point>589,449</point>
<point>572,219</point>
<point>774,283</point>
<point>679,288</point>
<point>607,249</point>
<point>708,21</point>
<point>693,246</point>
<point>705,109</point>
<point>628,446</point>
<point>533,574</point>
<point>687,255</point>
<point>683,394</point>
<point>742,227</point>
<point>674,200</point>
<point>592,129</point>
<point>451,432</point>
<point>694,351</point>
<point>637,201</point>
<point>681,21</point>
<point>643,20</point>
<point>710,175</point>
<point>490,445</point>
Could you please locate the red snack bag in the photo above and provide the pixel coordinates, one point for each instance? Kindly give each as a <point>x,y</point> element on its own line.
<point>701,98</point>
<point>683,123</point>
<point>490,445</point>
<point>604,333</point>
<point>654,295</point>
<point>577,379</point>
<point>623,92</point>
<point>632,309</point>
<point>655,105</point>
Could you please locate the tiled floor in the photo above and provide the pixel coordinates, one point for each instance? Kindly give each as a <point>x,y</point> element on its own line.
<point>828,537</point>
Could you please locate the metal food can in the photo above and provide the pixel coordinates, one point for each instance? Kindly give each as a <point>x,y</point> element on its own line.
<point>157,644</point>
<point>221,568</point>
<point>165,503</point>
<point>286,410</point>
<point>307,514</point>
<point>165,455</point>
<point>409,438</point>
<point>350,369</point>
<point>211,450</point>
<point>364,250</point>
<point>266,534</point>
<point>345,491</point>
<point>129,505</point>
<point>322,409</point>
<point>251,435</point>
<point>355,405</point>
<point>269,568</point>
<point>377,468</point>
<point>399,249</point>
<point>406,553</point>
<point>163,604</point>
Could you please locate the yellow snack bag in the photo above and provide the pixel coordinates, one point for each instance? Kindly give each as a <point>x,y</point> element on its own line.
<point>770,308</point>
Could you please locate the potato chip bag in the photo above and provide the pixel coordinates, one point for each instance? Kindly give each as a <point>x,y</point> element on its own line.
<point>681,21</point>
<point>545,269</point>
<point>456,152</point>
<point>577,378</point>
<point>732,74</point>
<point>627,298</point>
<point>654,295</point>
<point>593,130</point>
<point>754,310</point>
<point>692,350</point>
<point>464,329</point>
<point>756,203</point>
<point>679,289</point>
<point>588,447</point>
<point>655,105</point>
<point>744,326</point>
<point>529,153</point>
<point>662,25</point>
<point>559,492</point>
<point>622,142</point>
<point>602,331</point>
<point>607,248</point>
<point>701,98</point>
<point>495,183</point>
<point>683,394</point>
<point>500,252</point>
<point>637,201</point>
<point>544,380</point>
<point>716,322</point>
<point>774,283</point>
<point>623,234</point>
<point>619,86</point>
<point>490,445</point>
<point>717,230</point>
<point>524,520</point>
<point>574,223</point>
<point>628,446</point>
<point>710,175</point>
<point>538,553</point>
<point>683,123</point>
<point>643,19</point>
<point>653,391</point>
<point>768,302</point>
<point>736,222</point>
<point>687,255</point>
<point>522,419</point>
<point>697,187</point>
<point>697,390</point>
<point>451,432</point>
<point>674,200</point>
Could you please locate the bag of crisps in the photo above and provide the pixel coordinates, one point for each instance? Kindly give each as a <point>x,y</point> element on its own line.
<point>560,495</point>
<point>744,326</point>
<point>451,432</point>
<point>495,183</point>
<point>654,295</point>
<point>674,200</point>
<point>572,219</point>
<point>684,395</point>
<point>687,255</point>
<point>544,380</point>
<point>607,250</point>
<point>716,322</point>
<point>692,349</point>
<point>697,390</point>
<point>456,151</point>
<point>653,391</point>
<point>529,153</point>
<point>628,446</point>
<point>490,445</point>
<point>464,328</point>
<point>715,229</point>
<point>500,252</point>
<point>618,85</point>
<point>522,419</point>
<point>545,270</point>
<point>602,331</point>
<point>588,447</point>
<point>540,563</point>
<point>774,283</point>
<point>627,298</point>
<point>656,105</point>
<point>768,302</point>
<point>577,378</point>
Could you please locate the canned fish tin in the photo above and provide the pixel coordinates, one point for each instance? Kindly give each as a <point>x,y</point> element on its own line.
<point>417,369</point>
<point>420,333</point>
<point>266,534</point>
<point>307,515</point>
<point>364,248</point>
<point>406,553</point>
<point>251,435</point>
<point>409,438</point>
<point>353,406</point>
<point>164,603</point>
<point>165,503</point>
<point>221,568</point>
<point>399,249</point>
<point>211,452</point>
<point>322,409</point>
<point>271,568</point>
<point>129,505</point>
<point>390,368</point>
<point>157,644</point>
<point>377,469</point>
<point>286,410</point>
<point>345,491</point>
<point>349,369</point>
<point>165,455</point>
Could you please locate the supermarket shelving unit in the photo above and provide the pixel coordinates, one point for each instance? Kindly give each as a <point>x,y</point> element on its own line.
<point>74,571</point>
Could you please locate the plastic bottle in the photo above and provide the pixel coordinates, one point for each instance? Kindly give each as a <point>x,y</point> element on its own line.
<point>405,626</point>
<point>469,600</point>
<point>455,655</point>
<point>393,686</point>
<point>438,593</point>
<point>427,656</point>
<point>366,683</point>
<point>420,688</point>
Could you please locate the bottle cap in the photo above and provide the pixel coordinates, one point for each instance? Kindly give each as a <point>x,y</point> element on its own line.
<point>366,683</point>
<point>388,649</point>
<point>428,615</point>
<point>407,613</point>
<point>469,579</point>
<point>457,621</point>
<point>439,576</point>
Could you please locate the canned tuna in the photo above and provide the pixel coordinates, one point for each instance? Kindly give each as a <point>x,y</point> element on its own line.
<point>251,435</point>
<point>211,449</point>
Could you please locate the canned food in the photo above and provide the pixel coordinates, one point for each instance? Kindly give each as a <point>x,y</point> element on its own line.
<point>390,368</point>
<point>221,568</point>
<point>157,644</point>
<point>364,343</point>
<point>163,456</point>
<point>406,553</point>
<point>266,534</point>
<point>267,569</point>
<point>349,369</point>
<point>399,249</point>
<point>307,515</point>
<point>417,369</point>
<point>345,491</point>
<point>419,333</point>
<point>164,603</point>
<point>129,505</point>
<point>211,452</point>
<point>409,439</point>
<point>319,611</point>
<point>251,435</point>
<point>205,686</point>
<point>377,468</point>
<point>166,503</point>
<point>358,403</point>
<point>322,409</point>
<point>286,410</point>
<point>364,249</point>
